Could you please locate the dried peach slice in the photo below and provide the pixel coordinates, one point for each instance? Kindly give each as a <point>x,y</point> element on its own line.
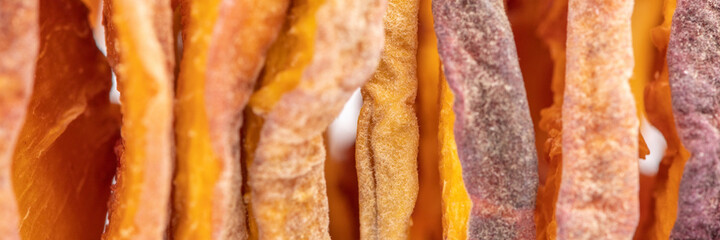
<point>224,48</point>
<point>140,49</point>
<point>18,47</point>
<point>387,136</point>
<point>598,195</point>
<point>326,50</point>
<point>493,129</point>
<point>64,164</point>
<point>694,75</point>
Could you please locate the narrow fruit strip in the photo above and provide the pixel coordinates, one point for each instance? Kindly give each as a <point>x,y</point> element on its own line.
<point>553,31</point>
<point>599,191</point>
<point>493,130</point>
<point>224,48</point>
<point>63,169</point>
<point>694,75</point>
<point>456,204</point>
<point>658,104</point>
<point>140,49</point>
<point>387,137</point>
<point>327,49</point>
<point>18,47</point>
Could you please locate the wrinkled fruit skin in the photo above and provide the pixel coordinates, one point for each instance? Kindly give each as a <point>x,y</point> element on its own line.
<point>286,177</point>
<point>598,196</point>
<point>387,139</point>
<point>693,54</point>
<point>493,130</point>
<point>18,47</point>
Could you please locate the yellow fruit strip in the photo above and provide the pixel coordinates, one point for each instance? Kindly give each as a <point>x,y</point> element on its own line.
<point>198,166</point>
<point>456,203</point>
<point>214,86</point>
<point>139,208</point>
<point>387,136</point>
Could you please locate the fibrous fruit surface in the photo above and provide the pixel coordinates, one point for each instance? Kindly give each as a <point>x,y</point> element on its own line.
<point>694,75</point>
<point>387,136</point>
<point>140,49</point>
<point>64,164</point>
<point>598,195</point>
<point>493,129</point>
<point>326,50</point>
<point>224,44</point>
<point>18,47</point>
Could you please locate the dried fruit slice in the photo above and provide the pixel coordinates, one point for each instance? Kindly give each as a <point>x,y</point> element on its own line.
<point>493,129</point>
<point>694,73</point>
<point>63,168</point>
<point>224,48</point>
<point>599,191</point>
<point>456,204</point>
<point>18,48</point>
<point>326,50</point>
<point>387,137</point>
<point>139,37</point>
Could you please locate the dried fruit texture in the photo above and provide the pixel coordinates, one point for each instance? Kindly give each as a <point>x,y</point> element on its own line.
<point>224,48</point>
<point>456,204</point>
<point>140,49</point>
<point>387,137</point>
<point>493,129</point>
<point>693,53</point>
<point>659,112</point>
<point>427,215</point>
<point>311,70</point>
<point>64,162</point>
<point>553,31</point>
<point>598,195</point>
<point>19,47</point>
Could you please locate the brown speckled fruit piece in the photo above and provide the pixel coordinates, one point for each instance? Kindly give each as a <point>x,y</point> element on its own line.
<point>598,196</point>
<point>694,69</point>
<point>493,130</point>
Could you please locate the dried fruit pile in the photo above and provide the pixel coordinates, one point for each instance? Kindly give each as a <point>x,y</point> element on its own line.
<point>486,119</point>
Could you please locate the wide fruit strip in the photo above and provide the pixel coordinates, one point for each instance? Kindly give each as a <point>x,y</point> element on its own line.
<point>598,195</point>
<point>224,44</point>
<point>326,50</point>
<point>493,130</point>
<point>694,74</point>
